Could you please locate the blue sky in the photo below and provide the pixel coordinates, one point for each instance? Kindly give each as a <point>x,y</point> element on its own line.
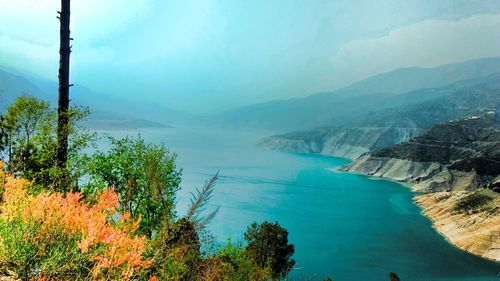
<point>210,55</point>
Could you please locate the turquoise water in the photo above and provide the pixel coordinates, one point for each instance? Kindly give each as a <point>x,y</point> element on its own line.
<point>344,226</point>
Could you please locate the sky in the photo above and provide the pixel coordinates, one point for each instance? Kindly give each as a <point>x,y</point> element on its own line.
<point>207,55</point>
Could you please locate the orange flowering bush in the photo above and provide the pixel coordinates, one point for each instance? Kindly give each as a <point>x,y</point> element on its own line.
<point>61,237</point>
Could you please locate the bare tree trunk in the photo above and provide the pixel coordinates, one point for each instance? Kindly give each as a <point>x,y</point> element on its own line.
<point>63,106</point>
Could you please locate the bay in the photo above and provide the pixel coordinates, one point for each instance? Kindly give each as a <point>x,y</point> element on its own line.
<point>343,226</point>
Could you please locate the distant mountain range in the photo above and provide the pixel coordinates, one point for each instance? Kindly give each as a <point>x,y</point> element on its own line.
<point>399,87</point>
<point>107,111</point>
<point>397,118</point>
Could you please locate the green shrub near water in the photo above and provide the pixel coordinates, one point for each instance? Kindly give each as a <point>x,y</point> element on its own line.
<point>146,180</point>
<point>145,176</point>
<point>28,142</point>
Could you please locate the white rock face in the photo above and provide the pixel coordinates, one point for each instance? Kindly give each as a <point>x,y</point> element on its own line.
<point>347,143</point>
<point>423,176</point>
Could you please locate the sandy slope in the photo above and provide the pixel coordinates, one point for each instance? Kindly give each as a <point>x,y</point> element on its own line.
<point>477,233</point>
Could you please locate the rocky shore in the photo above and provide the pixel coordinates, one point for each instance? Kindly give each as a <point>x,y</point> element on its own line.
<point>475,231</point>
<point>456,165</point>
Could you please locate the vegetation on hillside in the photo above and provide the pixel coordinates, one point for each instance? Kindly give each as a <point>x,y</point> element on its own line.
<point>116,220</point>
<point>478,201</point>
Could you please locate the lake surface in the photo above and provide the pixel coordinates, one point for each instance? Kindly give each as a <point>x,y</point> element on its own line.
<point>345,226</point>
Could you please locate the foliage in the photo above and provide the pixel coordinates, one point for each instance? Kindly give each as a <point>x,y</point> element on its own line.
<point>199,201</point>
<point>268,246</point>
<point>29,128</point>
<point>21,121</point>
<point>63,238</point>
<point>393,277</point>
<point>235,264</point>
<point>144,175</point>
<point>176,252</point>
<point>475,202</point>
<point>128,231</point>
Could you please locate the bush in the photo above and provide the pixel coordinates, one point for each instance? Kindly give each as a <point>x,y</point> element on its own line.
<point>393,277</point>
<point>176,252</point>
<point>144,175</point>
<point>63,238</point>
<point>235,264</point>
<point>473,203</point>
<point>268,246</point>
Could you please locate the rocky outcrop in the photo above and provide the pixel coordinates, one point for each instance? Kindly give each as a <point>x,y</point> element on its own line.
<point>343,142</point>
<point>422,176</point>
<point>393,168</point>
<point>459,155</point>
<point>375,130</point>
<point>455,164</point>
<point>477,232</point>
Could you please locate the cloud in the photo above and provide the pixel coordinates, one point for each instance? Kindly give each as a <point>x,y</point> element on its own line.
<point>425,44</point>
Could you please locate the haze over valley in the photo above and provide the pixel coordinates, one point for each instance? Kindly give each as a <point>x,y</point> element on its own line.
<point>250,141</point>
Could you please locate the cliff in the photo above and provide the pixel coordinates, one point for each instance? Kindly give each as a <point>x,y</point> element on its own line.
<point>457,165</point>
<point>458,155</point>
<point>343,142</point>
<point>407,119</point>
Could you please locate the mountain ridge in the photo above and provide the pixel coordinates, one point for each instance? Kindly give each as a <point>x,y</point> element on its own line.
<point>107,110</point>
<point>330,108</point>
<point>391,125</point>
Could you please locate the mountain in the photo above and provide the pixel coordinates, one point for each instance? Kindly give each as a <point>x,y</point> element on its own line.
<point>456,155</point>
<point>107,111</point>
<point>412,114</point>
<point>375,93</point>
<point>12,85</point>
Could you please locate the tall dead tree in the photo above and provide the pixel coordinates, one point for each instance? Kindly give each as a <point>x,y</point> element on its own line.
<point>63,105</point>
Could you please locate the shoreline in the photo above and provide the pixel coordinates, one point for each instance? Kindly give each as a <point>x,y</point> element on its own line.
<point>454,228</point>
<point>467,232</point>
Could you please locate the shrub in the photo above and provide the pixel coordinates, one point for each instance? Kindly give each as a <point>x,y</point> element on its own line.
<point>268,246</point>
<point>144,175</point>
<point>472,203</point>
<point>393,277</point>
<point>236,264</point>
<point>176,252</point>
<point>60,237</point>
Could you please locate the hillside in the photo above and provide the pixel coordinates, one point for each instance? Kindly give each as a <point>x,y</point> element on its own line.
<point>372,94</point>
<point>107,110</point>
<point>410,117</point>
<point>457,165</point>
<point>457,155</point>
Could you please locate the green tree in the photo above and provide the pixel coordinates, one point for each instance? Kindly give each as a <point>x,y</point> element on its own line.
<point>46,173</point>
<point>145,176</point>
<point>268,246</point>
<point>237,265</point>
<point>30,142</point>
<point>21,122</point>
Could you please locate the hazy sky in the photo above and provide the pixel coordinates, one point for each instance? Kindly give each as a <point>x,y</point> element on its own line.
<point>210,55</point>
